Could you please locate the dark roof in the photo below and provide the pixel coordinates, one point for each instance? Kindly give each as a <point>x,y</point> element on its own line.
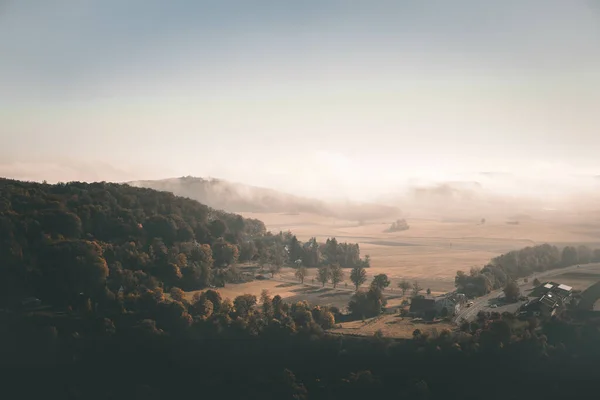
<point>419,304</point>
<point>550,300</point>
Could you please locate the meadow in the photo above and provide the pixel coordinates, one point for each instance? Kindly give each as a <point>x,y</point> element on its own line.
<point>430,252</point>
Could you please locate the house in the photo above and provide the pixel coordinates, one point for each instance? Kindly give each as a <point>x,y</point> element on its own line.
<point>545,306</point>
<point>449,304</point>
<point>445,305</point>
<point>422,307</point>
<point>564,292</point>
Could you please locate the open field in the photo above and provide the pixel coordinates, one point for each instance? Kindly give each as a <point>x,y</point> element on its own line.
<point>432,250</point>
<point>390,325</point>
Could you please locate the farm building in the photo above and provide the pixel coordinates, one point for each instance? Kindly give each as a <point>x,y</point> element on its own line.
<point>545,306</point>
<point>446,305</point>
<point>449,304</point>
<point>562,291</point>
<point>422,307</point>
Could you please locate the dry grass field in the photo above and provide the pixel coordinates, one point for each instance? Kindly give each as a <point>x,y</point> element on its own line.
<point>430,252</point>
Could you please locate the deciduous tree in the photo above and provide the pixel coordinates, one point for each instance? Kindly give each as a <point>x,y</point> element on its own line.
<point>243,304</point>
<point>512,291</point>
<point>380,281</point>
<point>358,276</point>
<point>337,274</point>
<point>301,273</point>
<point>416,288</point>
<point>323,274</point>
<point>404,285</point>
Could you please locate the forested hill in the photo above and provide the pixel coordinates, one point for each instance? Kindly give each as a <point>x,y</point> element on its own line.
<point>74,242</point>
<point>60,239</point>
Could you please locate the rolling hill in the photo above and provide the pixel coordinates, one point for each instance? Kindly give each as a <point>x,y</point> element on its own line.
<point>237,197</point>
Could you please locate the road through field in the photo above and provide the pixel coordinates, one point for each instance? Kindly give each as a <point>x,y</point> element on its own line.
<point>482,303</point>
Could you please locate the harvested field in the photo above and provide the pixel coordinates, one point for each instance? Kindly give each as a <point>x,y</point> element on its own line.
<point>432,250</point>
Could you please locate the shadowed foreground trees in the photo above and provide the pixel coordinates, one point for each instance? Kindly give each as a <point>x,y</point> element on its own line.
<point>281,350</point>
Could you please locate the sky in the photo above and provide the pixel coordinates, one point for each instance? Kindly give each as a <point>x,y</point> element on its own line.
<point>327,98</point>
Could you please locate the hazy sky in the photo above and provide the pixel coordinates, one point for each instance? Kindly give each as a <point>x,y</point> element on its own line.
<point>315,97</point>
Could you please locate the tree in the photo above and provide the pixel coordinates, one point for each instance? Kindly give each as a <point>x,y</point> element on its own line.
<point>267,303</point>
<point>536,282</point>
<point>331,251</point>
<point>312,254</point>
<point>72,268</point>
<point>358,276</point>
<point>278,256</point>
<point>404,285</point>
<point>512,291</point>
<point>337,274</point>
<point>160,226</point>
<point>274,269</point>
<point>301,273</point>
<point>323,274</point>
<point>367,304</point>
<point>569,256</point>
<point>243,304</point>
<point>296,252</point>
<point>217,228</point>
<point>247,251</point>
<point>380,281</point>
<point>367,261</point>
<point>428,292</point>
<point>177,294</point>
<point>416,288</point>
<point>211,296</point>
<point>584,254</point>
<point>224,253</point>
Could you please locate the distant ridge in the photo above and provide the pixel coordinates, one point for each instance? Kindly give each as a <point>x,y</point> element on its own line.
<point>238,197</point>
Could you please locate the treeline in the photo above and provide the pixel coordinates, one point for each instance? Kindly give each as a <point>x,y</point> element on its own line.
<point>521,263</point>
<point>68,242</point>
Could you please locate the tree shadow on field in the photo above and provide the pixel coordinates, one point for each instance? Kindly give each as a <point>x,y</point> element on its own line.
<point>289,284</point>
<point>311,290</point>
<point>334,294</point>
